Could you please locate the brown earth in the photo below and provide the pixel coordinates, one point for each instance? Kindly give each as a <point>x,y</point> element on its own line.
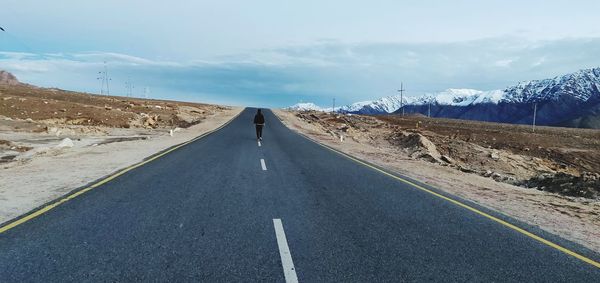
<point>55,106</point>
<point>569,148</point>
<point>33,118</point>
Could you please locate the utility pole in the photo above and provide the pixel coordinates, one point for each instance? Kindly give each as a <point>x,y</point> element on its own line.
<point>107,78</point>
<point>430,100</point>
<point>333,108</point>
<point>103,78</point>
<point>429,110</point>
<point>534,114</point>
<point>401,90</point>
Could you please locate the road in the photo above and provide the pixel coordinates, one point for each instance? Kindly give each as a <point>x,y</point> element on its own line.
<point>212,211</point>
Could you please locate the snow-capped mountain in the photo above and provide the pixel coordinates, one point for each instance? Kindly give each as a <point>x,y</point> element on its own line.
<point>456,97</point>
<point>389,104</point>
<point>305,106</point>
<point>465,97</point>
<point>383,105</point>
<point>581,85</point>
<point>569,100</point>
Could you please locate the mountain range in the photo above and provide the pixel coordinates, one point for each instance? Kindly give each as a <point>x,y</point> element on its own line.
<point>571,100</point>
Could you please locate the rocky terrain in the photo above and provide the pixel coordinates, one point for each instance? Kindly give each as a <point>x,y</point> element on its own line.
<point>7,78</point>
<point>559,160</point>
<point>55,106</point>
<point>34,119</point>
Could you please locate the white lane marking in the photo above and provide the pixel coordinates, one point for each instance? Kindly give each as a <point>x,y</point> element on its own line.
<point>284,251</point>
<point>263,165</point>
<point>259,145</point>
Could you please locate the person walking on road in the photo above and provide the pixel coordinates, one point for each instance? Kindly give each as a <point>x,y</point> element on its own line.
<point>259,121</point>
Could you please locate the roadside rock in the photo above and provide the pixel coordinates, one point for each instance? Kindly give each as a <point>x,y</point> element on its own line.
<point>151,121</point>
<point>447,159</point>
<point>188,115</point>
<point>66,142</point>
<point>417,145</point>
<point>494,155</point>
<point>587,185</point>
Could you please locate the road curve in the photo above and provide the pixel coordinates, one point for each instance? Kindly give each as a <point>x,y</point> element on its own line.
<point>223,209</point>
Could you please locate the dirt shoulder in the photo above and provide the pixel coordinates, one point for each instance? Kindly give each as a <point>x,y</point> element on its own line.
<point>52,170</point>
<point>53,141</point>
<point>404,149</point>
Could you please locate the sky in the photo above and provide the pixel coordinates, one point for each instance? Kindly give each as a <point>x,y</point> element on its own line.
<point>276,53</point>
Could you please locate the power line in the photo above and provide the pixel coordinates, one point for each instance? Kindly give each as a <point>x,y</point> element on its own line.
<point>129,86</point>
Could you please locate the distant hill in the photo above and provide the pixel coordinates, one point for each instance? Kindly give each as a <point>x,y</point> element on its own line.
<point>571,100</point>
<point>19,101</point>
<point>7,78</point>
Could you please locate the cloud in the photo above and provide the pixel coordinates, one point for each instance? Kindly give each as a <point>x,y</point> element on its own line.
<point>316,72</point>
<point>503,63</point>
<point>540,61</point>
<point>16,55</point>
<point>113,57</point>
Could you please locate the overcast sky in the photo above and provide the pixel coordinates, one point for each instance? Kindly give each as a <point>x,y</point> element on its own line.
<point>276,53</point>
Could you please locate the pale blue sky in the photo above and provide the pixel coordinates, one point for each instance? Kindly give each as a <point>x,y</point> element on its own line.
<point>276,53</point>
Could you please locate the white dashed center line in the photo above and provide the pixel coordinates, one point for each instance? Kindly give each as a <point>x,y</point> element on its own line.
<point>263,165</point>
<point>284,251</point>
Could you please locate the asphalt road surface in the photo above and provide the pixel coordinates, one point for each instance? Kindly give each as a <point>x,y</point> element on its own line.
<point>224,209</point>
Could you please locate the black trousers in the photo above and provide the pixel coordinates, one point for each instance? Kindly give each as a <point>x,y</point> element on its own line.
<point>259,131</point>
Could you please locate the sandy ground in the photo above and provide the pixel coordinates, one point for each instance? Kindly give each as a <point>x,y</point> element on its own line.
<point>43,171</point>
<point>574,218</point>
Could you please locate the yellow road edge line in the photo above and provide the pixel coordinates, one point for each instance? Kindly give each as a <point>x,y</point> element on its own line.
<point>43,210</point>
<point>463,205</point>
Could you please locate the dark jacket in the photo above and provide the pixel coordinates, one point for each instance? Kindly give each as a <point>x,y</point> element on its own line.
<point>259,119</point>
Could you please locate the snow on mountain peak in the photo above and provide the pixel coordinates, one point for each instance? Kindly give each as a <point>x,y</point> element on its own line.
<point>464,97</point>
<point>581,85</point>
<point>457,97</point>
<point>306,106</point>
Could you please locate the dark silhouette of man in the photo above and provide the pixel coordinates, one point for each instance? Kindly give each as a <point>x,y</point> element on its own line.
<point>259,121</point>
